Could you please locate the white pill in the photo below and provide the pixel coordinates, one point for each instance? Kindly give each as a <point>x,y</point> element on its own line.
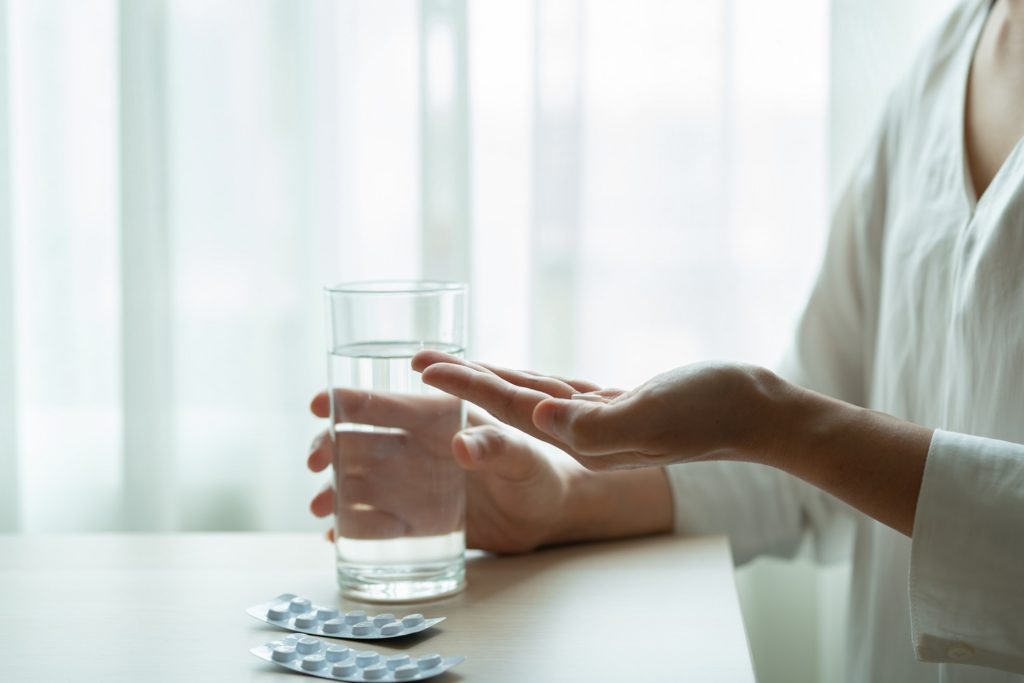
<point>366,658</point>
<point>395,661</point>
<point>382,619</point>
<point>363,629</point>
<point>307,620</point>
<point>391,629</point>
<point>590,396</point>
<point>412,620</point>
<point>325,613</point>
<point>278,612</point>
<point>283,653</point>
<point>299,605</point>
<point>332,626</point>
<point>429,661</point>
<point>355,617</point>
<point>343,669</point>
<point>336,653</point>
<point>374,672</point>
<point>407,671</point>
<point>307,645</point>
<point>292,638</point>
<point>313,662</point>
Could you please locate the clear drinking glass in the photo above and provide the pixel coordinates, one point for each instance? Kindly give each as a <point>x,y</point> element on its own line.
<point>399,496</point>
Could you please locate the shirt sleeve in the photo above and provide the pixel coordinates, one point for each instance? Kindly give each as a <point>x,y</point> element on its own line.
<point>764,510</point>
<point>967,554</point>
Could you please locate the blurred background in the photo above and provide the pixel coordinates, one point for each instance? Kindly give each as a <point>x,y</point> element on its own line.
<point>626,186</point>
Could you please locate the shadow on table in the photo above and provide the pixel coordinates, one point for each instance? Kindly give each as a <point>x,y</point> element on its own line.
<point>489,577</point>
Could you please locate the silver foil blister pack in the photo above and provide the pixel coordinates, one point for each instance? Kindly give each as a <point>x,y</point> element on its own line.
<point>299,614</point>
<point>315,657</point>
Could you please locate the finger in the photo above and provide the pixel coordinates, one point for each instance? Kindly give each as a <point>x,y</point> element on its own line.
<point>357,450</point>
<point>355,490</point>
<point>322,504</point>
<point>385,409</point>
<point>424,359</point>
<point>330,534</point>
<point>549,385</point>
<point>354,448</point>
<point>495,449</point>
<point>509,403</point>
<point>580,385</point>
<point>320,452</point>
<point>555,386</point>
<point>476,417</point>
<point>588,427</point>
<point>321,405</point>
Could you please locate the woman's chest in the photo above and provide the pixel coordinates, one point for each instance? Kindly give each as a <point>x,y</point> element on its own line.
<point>950,345</point>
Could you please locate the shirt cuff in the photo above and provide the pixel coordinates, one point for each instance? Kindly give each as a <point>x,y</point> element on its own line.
<point>967,554</point>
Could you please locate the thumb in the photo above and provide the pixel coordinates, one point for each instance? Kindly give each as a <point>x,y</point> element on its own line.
<point>489,448</point>
<point>586,426</point>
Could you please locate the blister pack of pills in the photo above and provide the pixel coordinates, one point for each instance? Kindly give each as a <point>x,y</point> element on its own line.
<point>299,614</point>
<point>316,657</point>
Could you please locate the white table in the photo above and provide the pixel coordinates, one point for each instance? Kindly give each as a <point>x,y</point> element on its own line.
<point>171,608</point>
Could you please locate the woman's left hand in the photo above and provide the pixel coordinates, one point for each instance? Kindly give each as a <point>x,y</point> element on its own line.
<point>709,411</point>
<point>706,411</point>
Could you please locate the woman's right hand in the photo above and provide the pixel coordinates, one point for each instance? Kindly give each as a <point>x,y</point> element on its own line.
<point>516,497</point>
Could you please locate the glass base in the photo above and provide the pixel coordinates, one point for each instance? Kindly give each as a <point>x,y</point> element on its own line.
<point>401,583</point>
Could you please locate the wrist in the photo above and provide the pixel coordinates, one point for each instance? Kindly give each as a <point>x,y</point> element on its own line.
<point>811,427</point>
<point>577,510</point>
<point>872,461</point>
<point>779,410</point>
<point>612,504</point>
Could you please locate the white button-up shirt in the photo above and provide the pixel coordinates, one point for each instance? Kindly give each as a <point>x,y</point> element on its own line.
<point>918,312</point>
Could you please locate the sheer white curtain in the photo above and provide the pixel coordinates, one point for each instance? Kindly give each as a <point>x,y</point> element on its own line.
<point>627,187</point>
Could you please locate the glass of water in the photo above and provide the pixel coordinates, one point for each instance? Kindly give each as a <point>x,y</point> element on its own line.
<point>399,496</point>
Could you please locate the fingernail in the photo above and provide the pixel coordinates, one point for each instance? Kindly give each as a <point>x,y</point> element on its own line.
<point>473,447</point>
<point>550,418</point>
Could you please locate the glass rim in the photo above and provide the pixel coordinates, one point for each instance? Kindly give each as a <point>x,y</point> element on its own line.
<point>396,287</point>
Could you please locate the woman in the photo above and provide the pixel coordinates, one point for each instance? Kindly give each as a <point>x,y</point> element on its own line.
<point>917,315</point>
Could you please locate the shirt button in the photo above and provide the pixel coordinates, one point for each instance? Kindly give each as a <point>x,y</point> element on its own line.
<point>960,652</point>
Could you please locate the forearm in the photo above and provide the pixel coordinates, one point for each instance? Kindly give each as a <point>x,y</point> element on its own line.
<point>614,504</point>
<point>872,461</point>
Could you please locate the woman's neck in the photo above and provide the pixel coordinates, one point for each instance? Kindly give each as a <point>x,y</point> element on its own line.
<point>1013,11</point>
<point>1005,46</point>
